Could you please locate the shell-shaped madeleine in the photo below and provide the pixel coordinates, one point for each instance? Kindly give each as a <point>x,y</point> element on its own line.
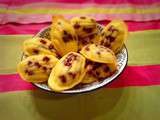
<point>63,35</point>
<point>98,71</point>
<point>90,39</point>
<point>84,26</point>
<point>68,72</point>
<point>98,53</point>
<point>36,68</point>
<point>114,35</point>
<point>36,45</point>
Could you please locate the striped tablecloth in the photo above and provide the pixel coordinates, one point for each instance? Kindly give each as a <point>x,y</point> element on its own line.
<point>134,95</point>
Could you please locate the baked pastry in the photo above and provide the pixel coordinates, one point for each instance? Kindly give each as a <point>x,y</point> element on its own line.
<point>98,53</point>
<point>90,39</point>
<point>101,62</point>
<point>68,72</point>
<point>63,35</point>
<point>98,71</point>
<point>84,26</point>
<point>36,68</point>
<point>36,45</point>
<point>114,35</point>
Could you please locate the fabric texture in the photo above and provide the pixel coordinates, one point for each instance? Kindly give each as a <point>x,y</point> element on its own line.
<point>133,95</point>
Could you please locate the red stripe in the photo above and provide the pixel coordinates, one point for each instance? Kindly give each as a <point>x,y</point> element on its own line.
<point>138,76</point>
<point>132,76</point>
<point>43,18</point>
<point>8,29</point>
<point>22,2</point>
<point>13,83</point>
<point>137,26</point>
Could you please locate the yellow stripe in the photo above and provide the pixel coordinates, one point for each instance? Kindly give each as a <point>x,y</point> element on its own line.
<point>82,11</point>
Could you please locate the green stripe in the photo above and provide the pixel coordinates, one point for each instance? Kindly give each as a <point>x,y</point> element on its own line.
<point>133,103</point>
<point>10,51</point>
<point>143,48</point>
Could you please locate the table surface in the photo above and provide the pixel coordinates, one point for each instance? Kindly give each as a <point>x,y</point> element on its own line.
<point>133,95</point>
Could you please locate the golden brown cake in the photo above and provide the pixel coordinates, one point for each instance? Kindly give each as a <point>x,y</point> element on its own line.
<point>63,35</point>
<point>68,72</point>
<point>36,68</point>
<point>36,46</point>
<point>101,62</point>
<point>114,35</point>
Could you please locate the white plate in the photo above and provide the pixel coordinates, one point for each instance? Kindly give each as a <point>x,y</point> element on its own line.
<point>122,58</point>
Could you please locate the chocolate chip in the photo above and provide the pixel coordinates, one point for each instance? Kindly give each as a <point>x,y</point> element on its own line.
<point>59,23</point>
<point>51,46</point>
<point>98,52</point>
<point>102,42</point>
<point>43,41</point>
<point>103,34</point>
<point>77,26</point>
<point>29,72</point>
<point>87,48</point>
<point>112,29</point>
<point>29,63</point>
<point>82,17</point>
<point>93,20</point>
<point>110,38</point>
<point>46,59</point>
<point>50,68</point>
<point>70,36</point>
<point>67,36</point>
<point>97,73</point>
<point>87,30</point>
<point>85,40</point>
<point>91,36</point>
<point>69,59</point>
<point>65,39</point>
<point>106,44</point>
<point>88,62</point>
<point>75,38</point>
<point>26,71</point>
<point>37,64</point>
<point>63,79</point>
<point>101,78</point>
<point>79,38</point>
<point>96,65</point>
<point>44,68</point>
<point>35,51</point>
<point>90,72</point>
<point>73,75</point>
<point>106,69</point>
<point>67,64</point>
<point>64,32</point>
<point>73,56</point>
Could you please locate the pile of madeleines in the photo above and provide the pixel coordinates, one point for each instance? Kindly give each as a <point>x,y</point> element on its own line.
<point>76,54</point>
